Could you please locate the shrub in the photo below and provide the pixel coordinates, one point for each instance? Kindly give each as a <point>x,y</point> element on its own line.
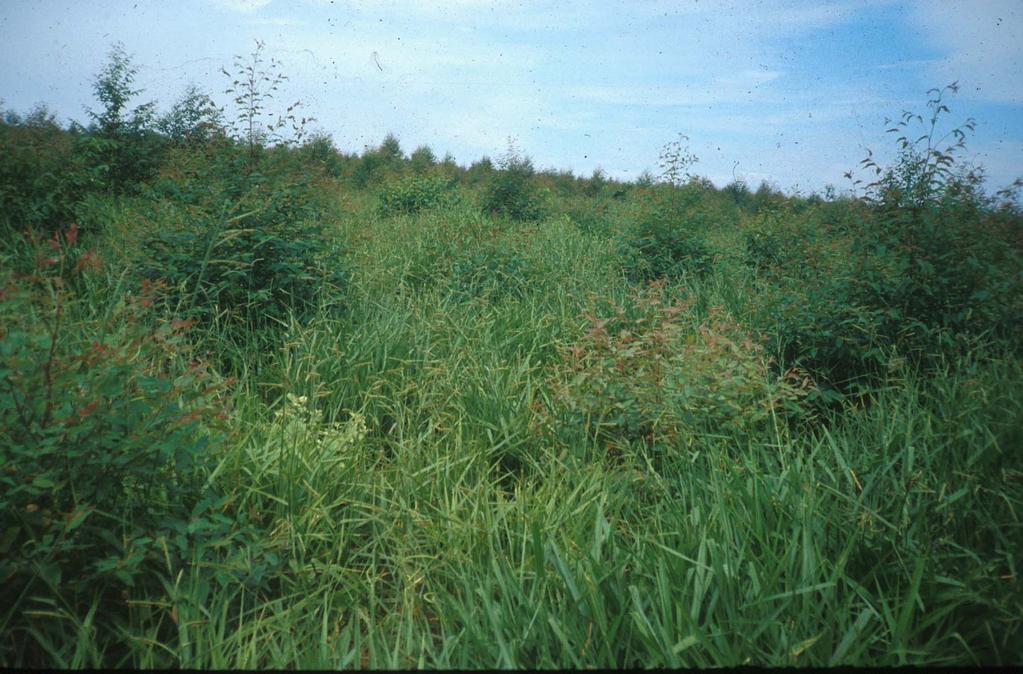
<point>941,258</point>
<point>238,249</point>
<point>511,190</point>
<point>639,375</point>
<point>248,250</point>
<point>415,194</point>
<point>38,184</point>
<point>254,84</point>
<point>104,434</point>
<point>265,259</point>
<point>924,265</point>
<point>667,244</point>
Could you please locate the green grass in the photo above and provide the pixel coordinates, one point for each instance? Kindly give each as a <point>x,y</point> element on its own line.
<point>458,533</point>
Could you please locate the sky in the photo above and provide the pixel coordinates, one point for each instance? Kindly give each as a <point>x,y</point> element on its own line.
<point>792,93</point>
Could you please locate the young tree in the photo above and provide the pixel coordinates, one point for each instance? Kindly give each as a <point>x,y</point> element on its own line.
<point>422,159</point>
<point>114,87</point>
<point>121,139</point>
<point>193,120</point>
<point>254,85</point>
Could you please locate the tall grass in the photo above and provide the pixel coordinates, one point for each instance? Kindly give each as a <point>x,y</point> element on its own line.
<point>453,533</point>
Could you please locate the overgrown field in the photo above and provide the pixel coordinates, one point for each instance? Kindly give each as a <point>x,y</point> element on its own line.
<point>264,404</point>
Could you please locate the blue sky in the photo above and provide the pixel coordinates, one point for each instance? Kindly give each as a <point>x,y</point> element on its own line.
<point>789,92</point>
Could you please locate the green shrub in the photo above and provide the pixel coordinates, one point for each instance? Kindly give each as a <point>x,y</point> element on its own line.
<point>104,433</point>
<point>414,194</point>
<point>667,244</point>
<point>512,192</point>
<point>641,375</point>
<point>250,250</point>
<point>949,260</point>
<point>943,268</point>
<point>923,267</point>
<point>46,171</point>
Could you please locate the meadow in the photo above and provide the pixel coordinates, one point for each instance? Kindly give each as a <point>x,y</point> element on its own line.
<point>265,404</point>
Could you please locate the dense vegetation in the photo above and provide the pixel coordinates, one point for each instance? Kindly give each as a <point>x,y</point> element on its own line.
<point>266,404</point>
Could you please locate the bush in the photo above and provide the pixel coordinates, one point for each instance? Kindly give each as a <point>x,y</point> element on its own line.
<point>46,171</point>
<point>415,194</point>
<point>104,435</point>
<point>250,251</point>
<point>512,192</point>
<point>639,375</point>
<point>667,244</point>
<point>940,261</point>
<point>921,268</point>
<point>943,268</point>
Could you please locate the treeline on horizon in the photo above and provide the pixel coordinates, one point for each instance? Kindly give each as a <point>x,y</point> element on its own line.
<point>124,145</point>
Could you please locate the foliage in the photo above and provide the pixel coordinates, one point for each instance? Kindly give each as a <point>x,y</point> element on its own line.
<point>639,376</point>
<point>667,244</point>
<point>414,194</point>
<point>503,452</point>
<point>422,159</point>
<point>103,436</point>
<point>945,262</point>
<point>40,183</point>
<point>126,144</point>
<point>248,261</point>
<point>378,164</point>
<point>319,152</point>
<point>254,85</point>
<point>511,190</point>
<point>925,266</point>
<point>193,120</point>
<point>676,160</point>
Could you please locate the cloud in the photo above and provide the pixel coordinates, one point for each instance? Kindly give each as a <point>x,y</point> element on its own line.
<point>724,89</point>
<point>243,6</point>
<point>982,43</point>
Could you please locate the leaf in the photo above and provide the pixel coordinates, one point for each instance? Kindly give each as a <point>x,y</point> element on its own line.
<point>78,517</point>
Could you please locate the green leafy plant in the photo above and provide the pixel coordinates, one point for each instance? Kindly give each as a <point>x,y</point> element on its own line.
<point>254,85</point>
<point>131,149</point>
<point>641,375</point>
<point>104,433</point>
<point>249,269</point>
<point>675,161</point>
<point>666,245</point>
<point>511,190</point>
<point>40,181</point>
<point>939,257</point>
<point>414,194</point>
<point>193,120</point>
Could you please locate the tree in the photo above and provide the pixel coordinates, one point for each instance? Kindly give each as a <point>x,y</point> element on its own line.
<point>390,149</point>
<point>121,140</point>
<point>422,159</point>
<point>193,120</point>
<point>254,86</point>
<point>114,89</point>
